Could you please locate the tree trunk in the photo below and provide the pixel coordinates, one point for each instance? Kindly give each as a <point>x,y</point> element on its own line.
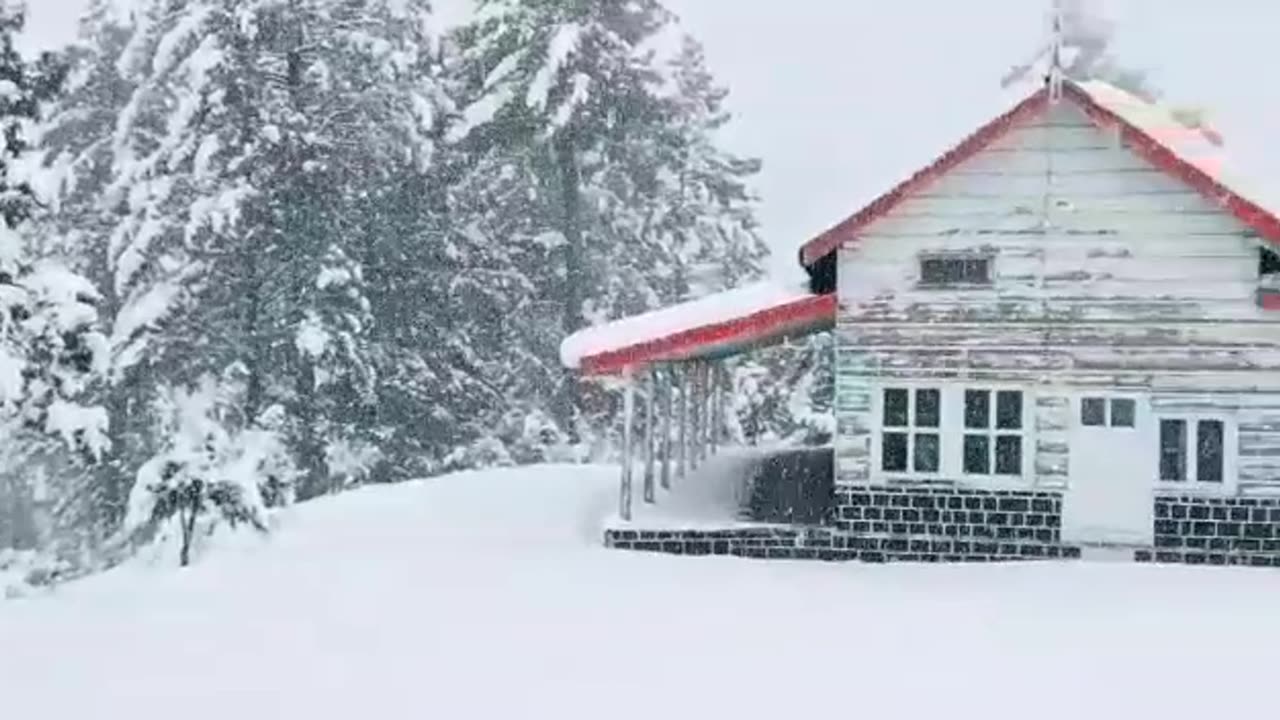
<point>574,287</point>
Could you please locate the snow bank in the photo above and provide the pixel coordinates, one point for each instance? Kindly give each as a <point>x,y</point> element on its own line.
<point>487,595</point>
<point>710,310</point>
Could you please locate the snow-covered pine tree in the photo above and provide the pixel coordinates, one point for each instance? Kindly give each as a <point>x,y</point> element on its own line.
<point>206,473</point>
<point>49,344</point>
<point>263,146</point>
<point>117,213</point>
<point>569,94</point>
<point>707,207</point>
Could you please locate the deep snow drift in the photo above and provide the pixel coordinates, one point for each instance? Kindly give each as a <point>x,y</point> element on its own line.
<point>488,596</point>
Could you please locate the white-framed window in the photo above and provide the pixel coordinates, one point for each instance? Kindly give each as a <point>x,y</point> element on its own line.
<point>952,432</point>
<point>1108,412</point>
<point>945,270</point>
<point>1196,450</point>
<point>910,430</point>
<point>994,428</point>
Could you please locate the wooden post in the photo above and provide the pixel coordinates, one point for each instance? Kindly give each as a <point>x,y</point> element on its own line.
<point>682,467</point>
<point>716,412</point>
<point>704,386</point>
<point>650,437</point>
<point>668,408</point>
<point>698,407</point>
<point>628,409</point>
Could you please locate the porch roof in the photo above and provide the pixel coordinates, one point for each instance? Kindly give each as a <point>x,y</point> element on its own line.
<point>710,327</point>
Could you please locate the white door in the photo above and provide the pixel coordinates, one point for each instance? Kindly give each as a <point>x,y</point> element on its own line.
<point>1112,469</point>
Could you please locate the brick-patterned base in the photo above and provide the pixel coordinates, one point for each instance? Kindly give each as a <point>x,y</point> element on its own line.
<point>1216,530</point>
<point>950,512</point>
<point>831,545</point>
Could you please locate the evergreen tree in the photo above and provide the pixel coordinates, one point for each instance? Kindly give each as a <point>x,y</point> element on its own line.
<point>50,347</point>
<point>569,88</point>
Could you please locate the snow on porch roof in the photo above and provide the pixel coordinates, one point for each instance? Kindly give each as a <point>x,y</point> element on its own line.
<point>1150,130</point>
<point>713,326</point>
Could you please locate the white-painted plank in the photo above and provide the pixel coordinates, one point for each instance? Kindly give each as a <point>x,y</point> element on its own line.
<point>1168,223</point>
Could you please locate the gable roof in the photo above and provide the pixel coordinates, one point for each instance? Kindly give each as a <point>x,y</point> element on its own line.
<point>1108,108</point>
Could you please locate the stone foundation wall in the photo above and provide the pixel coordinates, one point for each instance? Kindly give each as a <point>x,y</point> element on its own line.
<point>950,513</point>
<point>947,524</point>
<point>1216,531</point>
<point>784,543</point>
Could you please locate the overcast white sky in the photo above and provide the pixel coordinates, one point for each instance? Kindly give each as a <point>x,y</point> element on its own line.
<point>843,98</point>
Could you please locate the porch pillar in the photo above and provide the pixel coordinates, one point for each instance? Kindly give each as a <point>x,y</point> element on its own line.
<point>668,408</point>
<point>682,467</point>
<point>650,437</point>
<point>717,412</point>
<point>704,387</point>
<point>699,407</point>
<point>628,409</point>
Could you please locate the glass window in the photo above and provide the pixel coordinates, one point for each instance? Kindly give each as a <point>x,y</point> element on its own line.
<point>903,447</point>
<point>1008,455</point>
<point>1201,458</point>
<point>928,408</point>
<point>1009,410</point>
<point>1093,412</point>
<point>927,453</point>
<point>1173,450</point>
<point>893,451</point>
<point>959,270</point>
<point>977,409</point>
<point>977,454</point>
<point>1209,460</point>
<point>895,408</point>
<point>993,450</point>
<point>1123,412</point>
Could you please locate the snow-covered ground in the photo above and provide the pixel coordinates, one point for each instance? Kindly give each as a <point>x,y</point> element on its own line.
<point>488,596</point>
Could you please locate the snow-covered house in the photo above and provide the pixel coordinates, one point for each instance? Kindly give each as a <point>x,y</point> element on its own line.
<point>1062,334</point>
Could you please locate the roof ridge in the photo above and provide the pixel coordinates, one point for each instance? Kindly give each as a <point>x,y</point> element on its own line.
<point>1153,150</point>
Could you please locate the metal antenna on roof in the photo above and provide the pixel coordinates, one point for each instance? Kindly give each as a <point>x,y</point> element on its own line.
<point>1051,49</point>
<point>1055,54</point>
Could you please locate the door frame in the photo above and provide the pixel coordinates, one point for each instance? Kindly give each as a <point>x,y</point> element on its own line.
<point>1138,486</point>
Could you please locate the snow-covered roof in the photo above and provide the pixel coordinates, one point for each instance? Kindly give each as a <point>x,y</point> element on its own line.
<point>716,324</point>
<point>1174,140</point>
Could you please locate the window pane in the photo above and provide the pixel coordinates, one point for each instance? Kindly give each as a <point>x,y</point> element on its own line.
<point>1209,451</point>
<point>975,271</point>
<point>1093,412</point>
<point>1009,410</point>
<point>1009,455</point>
<point>893,451</point>
<point>926,453</point>
<point>895,408</point>
<point>977,454</point>
<point>1123,412</point>
<point>928,404</point>
<point>931,271</point>
<point>1173,450</point>
<point>977,409</point>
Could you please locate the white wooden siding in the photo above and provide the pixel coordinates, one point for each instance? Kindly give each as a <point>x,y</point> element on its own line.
<point>1108,273</point>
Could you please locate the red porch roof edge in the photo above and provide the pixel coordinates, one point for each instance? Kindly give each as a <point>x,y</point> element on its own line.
<point>757,327</point>
<point>1264,222</point>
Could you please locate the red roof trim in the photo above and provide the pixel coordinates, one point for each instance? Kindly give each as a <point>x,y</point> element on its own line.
<point>755,327</point>
<point>832,238</point>
<point>1263,221</point>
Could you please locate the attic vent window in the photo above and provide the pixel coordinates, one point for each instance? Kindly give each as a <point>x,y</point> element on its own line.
<point>953,270</point>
